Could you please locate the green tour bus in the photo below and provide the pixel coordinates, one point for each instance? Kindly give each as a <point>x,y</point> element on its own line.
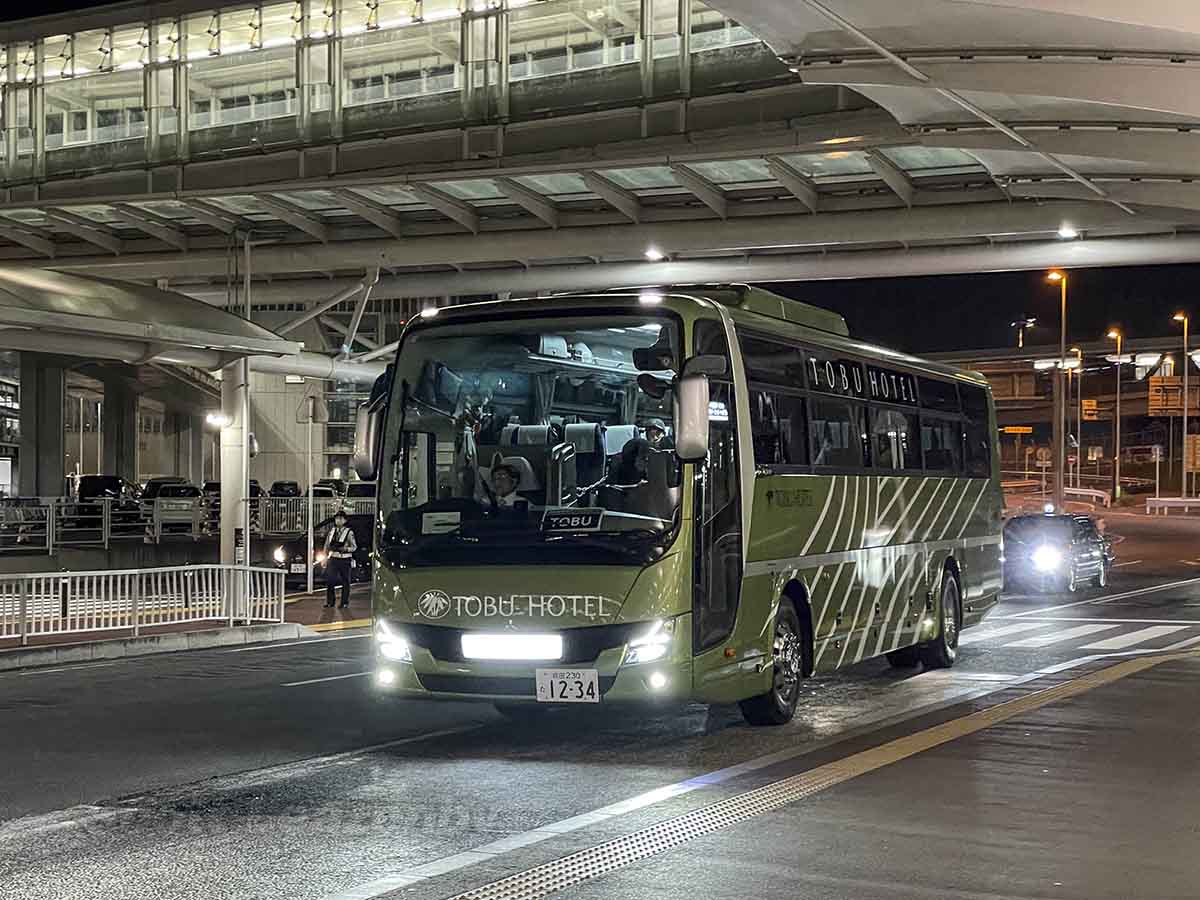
<point>698,493</point>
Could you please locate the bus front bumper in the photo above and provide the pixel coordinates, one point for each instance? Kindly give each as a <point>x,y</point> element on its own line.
<point>668,679</point>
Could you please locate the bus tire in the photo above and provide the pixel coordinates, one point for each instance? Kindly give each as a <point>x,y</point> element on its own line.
<point>778,705</point>
<point>942,651</point>
<point>905,657</point>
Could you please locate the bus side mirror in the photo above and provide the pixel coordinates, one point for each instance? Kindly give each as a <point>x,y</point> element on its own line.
<point>368,431</point>
<point>691,418</point>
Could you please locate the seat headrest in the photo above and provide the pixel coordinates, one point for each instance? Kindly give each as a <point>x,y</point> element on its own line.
<point>528,480</point>
<point>586,436</point>
<point>508,435</point>
<point>617,436</point>
<point>533,435</point>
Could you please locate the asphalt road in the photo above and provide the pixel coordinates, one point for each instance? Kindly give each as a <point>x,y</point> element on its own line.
<point>275,772</point>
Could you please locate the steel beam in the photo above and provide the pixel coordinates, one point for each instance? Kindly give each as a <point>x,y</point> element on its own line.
<point>707,192</point>
<point>306,221</point>
<point>155,226</point>
<point>619,198</point>
<point>451,207</point>
<point>347,337</point>
<point>1164,249</point>
<point>799,186</point>
<point>85,229</point>
<point>531,201</point>
<point>318,308</point>
<point>829,231</point>
<point>892,176</point>
<point>213,215</point>
<point>27,236</point>
<point>377,214</point>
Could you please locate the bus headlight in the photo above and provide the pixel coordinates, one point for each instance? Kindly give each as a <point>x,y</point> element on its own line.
<point>279,555</point>
<point>652,644</point>
<point>391,645</point>
<point>1046,558</point>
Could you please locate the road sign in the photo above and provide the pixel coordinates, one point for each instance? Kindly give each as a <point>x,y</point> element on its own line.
<point>1193,452</point>
<point>1042,463</point>
<point>1156,453</point>
<point>1165,397</point>
<point>1091,412</point>
<point>1043,455</point>
<point>1017,429</point>
<point>1095,453</point>
<point>313,404</point>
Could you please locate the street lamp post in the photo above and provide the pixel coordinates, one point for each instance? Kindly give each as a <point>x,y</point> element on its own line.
<point>1182,317</point>
<point>1114,334</point>
<point>1060,408</point>
<point>1021,324</point>
<point>1078,417</point>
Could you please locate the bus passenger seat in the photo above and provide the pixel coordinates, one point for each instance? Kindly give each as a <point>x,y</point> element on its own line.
<point>617,436</point>
<point>588,440</point>
<point>529,486</point>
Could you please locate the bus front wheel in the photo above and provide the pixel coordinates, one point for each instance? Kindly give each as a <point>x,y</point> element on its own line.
<point>941,652</point>
<point>778,705</point>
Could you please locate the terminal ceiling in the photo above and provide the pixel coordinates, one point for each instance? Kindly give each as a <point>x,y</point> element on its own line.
<point>964,137</point>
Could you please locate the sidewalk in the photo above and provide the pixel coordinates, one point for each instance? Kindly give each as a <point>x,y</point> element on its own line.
<point>310,610</point>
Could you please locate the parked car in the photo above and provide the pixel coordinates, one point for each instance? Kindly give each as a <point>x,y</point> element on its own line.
<point>323,492</point>
<point>1055,552</point>
<point>211,497</point>
<point>285,489</point>
<point>361,490</point>
<point>125,507</point>
<point>175,507</point>
<point>337,484</point>
<point>291,554</point>
<point>151,488</point>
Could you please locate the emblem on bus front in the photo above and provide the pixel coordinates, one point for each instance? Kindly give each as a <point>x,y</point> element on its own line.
<point>433,604</point>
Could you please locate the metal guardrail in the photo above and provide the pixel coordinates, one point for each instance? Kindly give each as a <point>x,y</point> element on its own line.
<point>1162,505</point>
<point>43,523</point>
<point>1104,498</point>
<point>41,604</point>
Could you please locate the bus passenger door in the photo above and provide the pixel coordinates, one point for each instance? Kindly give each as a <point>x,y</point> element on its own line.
<point>718,527</point>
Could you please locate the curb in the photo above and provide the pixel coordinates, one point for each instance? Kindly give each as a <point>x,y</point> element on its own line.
<point>343,625</point>
<point>120,648</point>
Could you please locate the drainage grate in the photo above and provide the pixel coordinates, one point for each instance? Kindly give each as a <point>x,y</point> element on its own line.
<point>593,862</point>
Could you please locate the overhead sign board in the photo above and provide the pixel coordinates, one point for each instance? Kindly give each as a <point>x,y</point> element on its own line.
<point>1165,397</point>
<point>1091,410</point>
<point>1017,429</point>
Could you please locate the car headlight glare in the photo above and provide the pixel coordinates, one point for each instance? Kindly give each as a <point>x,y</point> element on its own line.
<point>279,555</point>
<point>391,645</point>
<point>652,644</point>
<point>1046,558</point>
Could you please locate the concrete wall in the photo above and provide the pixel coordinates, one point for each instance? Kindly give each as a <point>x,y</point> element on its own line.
<point>281,440</point>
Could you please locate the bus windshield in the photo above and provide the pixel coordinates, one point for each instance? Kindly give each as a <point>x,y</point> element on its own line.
<point>532,442</point>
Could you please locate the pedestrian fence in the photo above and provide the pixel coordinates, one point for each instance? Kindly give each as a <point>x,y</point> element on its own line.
<point>55,603</point>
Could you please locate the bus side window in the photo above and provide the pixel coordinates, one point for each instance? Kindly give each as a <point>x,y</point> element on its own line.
<point>976,431</point>
<point>780,428</point>
<point>941,442</point>
<point>836,434</point>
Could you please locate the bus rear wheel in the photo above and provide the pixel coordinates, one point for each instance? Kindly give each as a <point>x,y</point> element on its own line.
<point>942,651</point>
<point>778,705</point>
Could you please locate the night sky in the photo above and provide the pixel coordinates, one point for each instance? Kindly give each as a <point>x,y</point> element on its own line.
<point>953,312</point>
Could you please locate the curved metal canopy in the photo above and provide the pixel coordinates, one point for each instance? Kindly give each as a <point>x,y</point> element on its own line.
<point>57,303</point>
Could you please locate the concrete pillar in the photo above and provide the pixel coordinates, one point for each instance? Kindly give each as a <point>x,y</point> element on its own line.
<point>196,445</point>
<point>41,472</point>
<point>235,381</point>
<point>120,456</point>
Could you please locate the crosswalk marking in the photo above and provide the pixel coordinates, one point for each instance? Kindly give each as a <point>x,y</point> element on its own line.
<point>1121,641</point>
<point>1055,637</point>
<point>977,637</point>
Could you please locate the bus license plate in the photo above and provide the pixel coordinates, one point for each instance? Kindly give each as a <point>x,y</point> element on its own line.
<point>567,686</point>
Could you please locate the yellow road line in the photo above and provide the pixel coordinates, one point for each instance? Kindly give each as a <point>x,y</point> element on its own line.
<point>615,854</point>
<point>343,625</point>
